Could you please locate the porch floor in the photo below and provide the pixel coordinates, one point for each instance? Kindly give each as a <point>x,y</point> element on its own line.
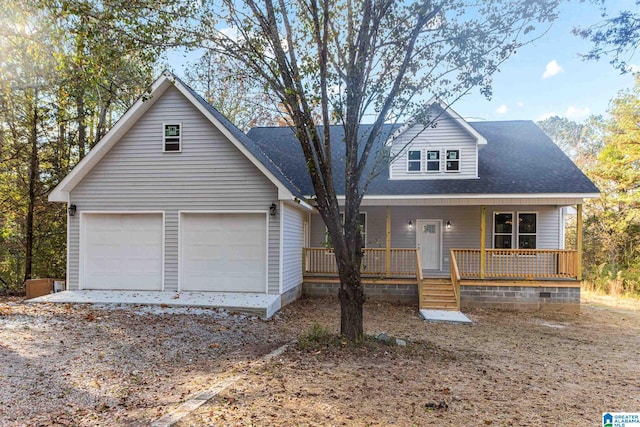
<point>254,303</point>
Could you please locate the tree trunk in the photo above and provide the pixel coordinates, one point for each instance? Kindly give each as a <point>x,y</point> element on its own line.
<point>33,175</point>
<point>351,295</point>
<point>82,130</point>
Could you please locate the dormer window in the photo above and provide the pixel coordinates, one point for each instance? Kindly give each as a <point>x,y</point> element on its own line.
<point>172,137</point>
<point>414,161</point>
<point>453,161</point>
<point>433,160</point>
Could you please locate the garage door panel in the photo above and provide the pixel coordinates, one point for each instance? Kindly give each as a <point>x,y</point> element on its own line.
<point>223,252</point>
<point>122,251</point>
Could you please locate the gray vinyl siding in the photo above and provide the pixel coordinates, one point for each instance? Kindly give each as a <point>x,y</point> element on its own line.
<point>209,174</point>
<point>464,232</point>
<point>447,135</point>
<point>292,244</point>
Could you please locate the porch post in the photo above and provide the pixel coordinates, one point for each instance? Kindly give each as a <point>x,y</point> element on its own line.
<point>387,252</point>
<point>579,242</point>
<point>483,241</point>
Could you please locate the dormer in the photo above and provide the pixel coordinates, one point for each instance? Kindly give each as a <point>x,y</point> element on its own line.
<point>442,146</point>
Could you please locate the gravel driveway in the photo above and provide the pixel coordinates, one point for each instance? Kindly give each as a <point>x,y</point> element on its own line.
<point>99,365</point>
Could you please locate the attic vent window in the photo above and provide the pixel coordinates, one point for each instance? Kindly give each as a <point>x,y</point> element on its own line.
<point>172,137</point>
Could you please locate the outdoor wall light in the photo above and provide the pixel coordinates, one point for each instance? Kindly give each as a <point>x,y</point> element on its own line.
<point>273,209</point>
<point>448,225</point>
<point>410,225</point>
<point>72,210</point>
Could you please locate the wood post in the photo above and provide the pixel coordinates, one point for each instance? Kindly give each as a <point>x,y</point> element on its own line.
<point>579,242</point>
<point>387,253</point>
<point>483,241</point>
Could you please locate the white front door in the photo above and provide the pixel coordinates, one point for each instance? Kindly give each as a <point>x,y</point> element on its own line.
<point>428,232</point>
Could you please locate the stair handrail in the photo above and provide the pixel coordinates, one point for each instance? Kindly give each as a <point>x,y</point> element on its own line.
<point>455,277</point>
<point>419,276</point>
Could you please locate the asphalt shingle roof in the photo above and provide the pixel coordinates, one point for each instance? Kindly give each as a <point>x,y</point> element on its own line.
<point>518,158</point>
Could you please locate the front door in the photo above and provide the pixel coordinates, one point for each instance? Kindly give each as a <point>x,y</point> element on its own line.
<point>429,242</point>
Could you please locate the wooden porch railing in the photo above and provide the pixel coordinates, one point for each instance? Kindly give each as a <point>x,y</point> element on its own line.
<point>419,275</point>
<point>455,277</point>
<point>322,261</point>
<point>517,263</point>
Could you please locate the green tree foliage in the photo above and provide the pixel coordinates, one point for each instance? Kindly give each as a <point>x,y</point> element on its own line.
<point>373,59</point>
<point>617,214</point>
<point>67,68</point>
<point>608,151</point>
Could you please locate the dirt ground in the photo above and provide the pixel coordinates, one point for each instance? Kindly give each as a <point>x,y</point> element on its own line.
<point>83,365</point>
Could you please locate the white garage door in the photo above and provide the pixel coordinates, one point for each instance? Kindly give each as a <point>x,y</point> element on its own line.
<point>122,251</point>
<point>223,252</point>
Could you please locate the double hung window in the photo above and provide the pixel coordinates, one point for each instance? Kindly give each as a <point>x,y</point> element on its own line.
<point>414,161</point>
<point>508,236</point>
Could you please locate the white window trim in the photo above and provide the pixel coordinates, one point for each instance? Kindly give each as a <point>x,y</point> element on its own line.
<point>164,142</point>
<point>515,229</point>
<point>459,160</point>
<point>413,161</point>
<point>426,161</point>
<point>366,219</point>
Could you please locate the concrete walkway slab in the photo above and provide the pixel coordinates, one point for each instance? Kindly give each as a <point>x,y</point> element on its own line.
<point>254,303</point>
<point>444,316</point>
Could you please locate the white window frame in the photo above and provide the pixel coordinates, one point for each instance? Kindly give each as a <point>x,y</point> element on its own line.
<point>364,226</point>
<point>164,137</point>
<point>459,160</point>
<point>414,161</point>
<point>515,229</point>
<point>518,233</point>
<point>494,234</point>
<point>438,161</point>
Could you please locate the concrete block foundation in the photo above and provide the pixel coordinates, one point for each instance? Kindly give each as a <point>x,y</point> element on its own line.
<point>530,298</point>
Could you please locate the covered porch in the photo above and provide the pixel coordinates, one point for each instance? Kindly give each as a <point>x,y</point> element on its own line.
<point>456,251</point>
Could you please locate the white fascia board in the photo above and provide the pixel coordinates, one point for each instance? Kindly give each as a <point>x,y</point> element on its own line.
<point>61,192</point>
<point>283,192</point>
<point>300,204</point>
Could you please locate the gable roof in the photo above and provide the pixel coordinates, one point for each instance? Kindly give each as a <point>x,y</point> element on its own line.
<point>287,190</point>
<point>442,109</point>
<point>519,158</point>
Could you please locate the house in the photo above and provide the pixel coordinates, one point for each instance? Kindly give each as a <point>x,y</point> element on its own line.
<point>176,198</point>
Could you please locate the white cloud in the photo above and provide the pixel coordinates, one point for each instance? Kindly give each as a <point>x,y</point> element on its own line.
<point>547,115</point>
<point>520,104</point>
<point>634,68</point>
<point>502,109</point>
<point>551,69</point>
<point>230,32</point>
<point>576,113</point>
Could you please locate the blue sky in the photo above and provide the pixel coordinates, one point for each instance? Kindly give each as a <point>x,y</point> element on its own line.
<point>572,88</point>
